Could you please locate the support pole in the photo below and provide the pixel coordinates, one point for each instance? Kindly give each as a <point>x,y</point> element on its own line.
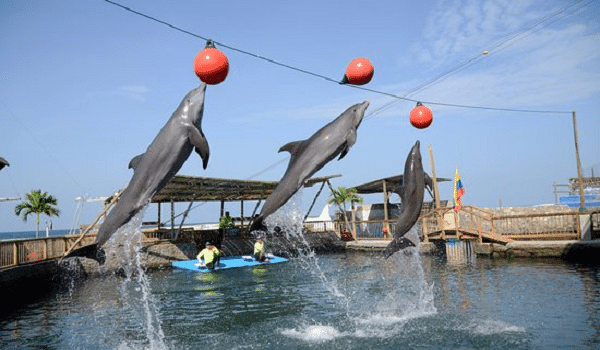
<point>314,200</point>
<point>172,216</point>
<point>436,193</point>
<point>385,210</point>
<point>242,214</point>
<point>158,219</point>
<point>439,217</point>
<point>185,214</point>
<point>579,174</point>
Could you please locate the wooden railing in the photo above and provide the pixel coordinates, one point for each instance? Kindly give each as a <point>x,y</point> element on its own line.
<point>471,220</point>
<point>484,224</point>
<point>26,251</point>
<point>563,225</point>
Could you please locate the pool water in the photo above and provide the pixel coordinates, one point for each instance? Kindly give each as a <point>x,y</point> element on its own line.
<point>332,301</point>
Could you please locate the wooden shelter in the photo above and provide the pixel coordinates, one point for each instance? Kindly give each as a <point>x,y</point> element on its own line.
<point>192,189</point>
<point>390,184</point>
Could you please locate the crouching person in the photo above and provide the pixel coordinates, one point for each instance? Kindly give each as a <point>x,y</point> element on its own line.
<point>211,256</point>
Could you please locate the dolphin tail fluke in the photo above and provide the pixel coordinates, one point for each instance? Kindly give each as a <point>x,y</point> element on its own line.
<point>396,245</point>
<point>92,251</point>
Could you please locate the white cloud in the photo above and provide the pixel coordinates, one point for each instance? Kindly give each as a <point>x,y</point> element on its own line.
<point>550,65</point>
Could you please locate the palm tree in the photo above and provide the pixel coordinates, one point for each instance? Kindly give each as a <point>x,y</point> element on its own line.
<point>343,195</point>
<point>37,203</point>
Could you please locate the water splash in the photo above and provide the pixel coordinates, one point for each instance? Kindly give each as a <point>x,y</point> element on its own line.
<point>289,221</point>
<point>380,299</point>
<point>124,253</point>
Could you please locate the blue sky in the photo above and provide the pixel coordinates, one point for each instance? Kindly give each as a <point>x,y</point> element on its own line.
<point>85,86</point>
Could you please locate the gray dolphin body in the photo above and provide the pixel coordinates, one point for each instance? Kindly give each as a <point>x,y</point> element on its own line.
<point>309,156</point>
<point>411,194</point>
<point>153,169</point>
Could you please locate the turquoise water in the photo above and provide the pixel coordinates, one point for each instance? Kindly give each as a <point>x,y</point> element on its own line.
<point>31,234</point>
<point>340,301</point>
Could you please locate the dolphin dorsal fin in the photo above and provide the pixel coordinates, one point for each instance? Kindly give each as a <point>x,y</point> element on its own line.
<point>291,147</point>
<point>133,163</point>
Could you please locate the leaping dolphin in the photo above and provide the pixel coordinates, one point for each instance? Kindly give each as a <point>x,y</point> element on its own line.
<point>411,194</point>
<point>153,169</point>
<point>309,156</point>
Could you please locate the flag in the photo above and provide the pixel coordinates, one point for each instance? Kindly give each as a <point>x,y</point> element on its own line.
<point>459,190</point>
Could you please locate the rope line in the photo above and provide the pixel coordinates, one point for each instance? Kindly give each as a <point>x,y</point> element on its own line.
<point>333,80</point>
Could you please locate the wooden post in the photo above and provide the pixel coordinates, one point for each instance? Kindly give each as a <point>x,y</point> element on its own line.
<point>242,214</point>
<point>385,210</point>
<point>579,174</point>
<point>456,222</point>
<point>353,211</point>
<point>222,209</point>
<point>158,219</point>
<point>15,252</point>
<point>436,193</point>
<point>436,196</point>
<point>172,215</point>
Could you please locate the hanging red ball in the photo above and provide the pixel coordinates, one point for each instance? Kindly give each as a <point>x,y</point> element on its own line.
<point>421,116</point>
<point>211,65</point>
<point>359,72</point>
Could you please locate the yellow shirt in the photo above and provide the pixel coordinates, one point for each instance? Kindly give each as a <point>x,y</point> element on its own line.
<point>208,255</point>
<point>259,248</point>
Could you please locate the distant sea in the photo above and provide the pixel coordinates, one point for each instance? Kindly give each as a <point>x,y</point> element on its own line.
<point>4,236</point>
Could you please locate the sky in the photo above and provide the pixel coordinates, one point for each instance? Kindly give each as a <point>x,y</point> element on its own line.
<point>86,85</point>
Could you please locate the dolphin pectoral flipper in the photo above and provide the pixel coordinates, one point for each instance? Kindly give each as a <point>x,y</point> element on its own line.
<point>344,151</point>
<point>200,145</point>
<point>133,163</point>
<point>350,141</point>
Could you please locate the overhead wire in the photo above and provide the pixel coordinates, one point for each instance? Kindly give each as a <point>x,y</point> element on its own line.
<point>500,45</point>
<point>174,27</point>
<point>397,98</point>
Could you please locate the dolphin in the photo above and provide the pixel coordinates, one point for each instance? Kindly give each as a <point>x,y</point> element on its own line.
<point>411,194</point>
<point>311,155</point>
<point>3,163</point>
<point>154,168</point>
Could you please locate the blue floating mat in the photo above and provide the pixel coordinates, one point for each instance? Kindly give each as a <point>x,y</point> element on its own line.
<point>227,263</point>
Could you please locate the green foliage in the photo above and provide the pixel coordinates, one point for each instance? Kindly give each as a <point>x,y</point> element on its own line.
<point>225,222</point>
<point>37,203</point>
<point>343,195</point>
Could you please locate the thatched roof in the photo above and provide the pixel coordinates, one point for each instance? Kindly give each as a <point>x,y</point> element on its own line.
<point>376,186</point>
<point>203,189</point>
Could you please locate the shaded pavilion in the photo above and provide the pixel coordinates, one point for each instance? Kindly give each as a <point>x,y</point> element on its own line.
<point>192,189</point>
<point>392,183</point>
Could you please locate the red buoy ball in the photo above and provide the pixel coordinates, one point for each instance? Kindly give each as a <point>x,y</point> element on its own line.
<point>359,72</point>
<point>421,116</point>
<point>211,65</point>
